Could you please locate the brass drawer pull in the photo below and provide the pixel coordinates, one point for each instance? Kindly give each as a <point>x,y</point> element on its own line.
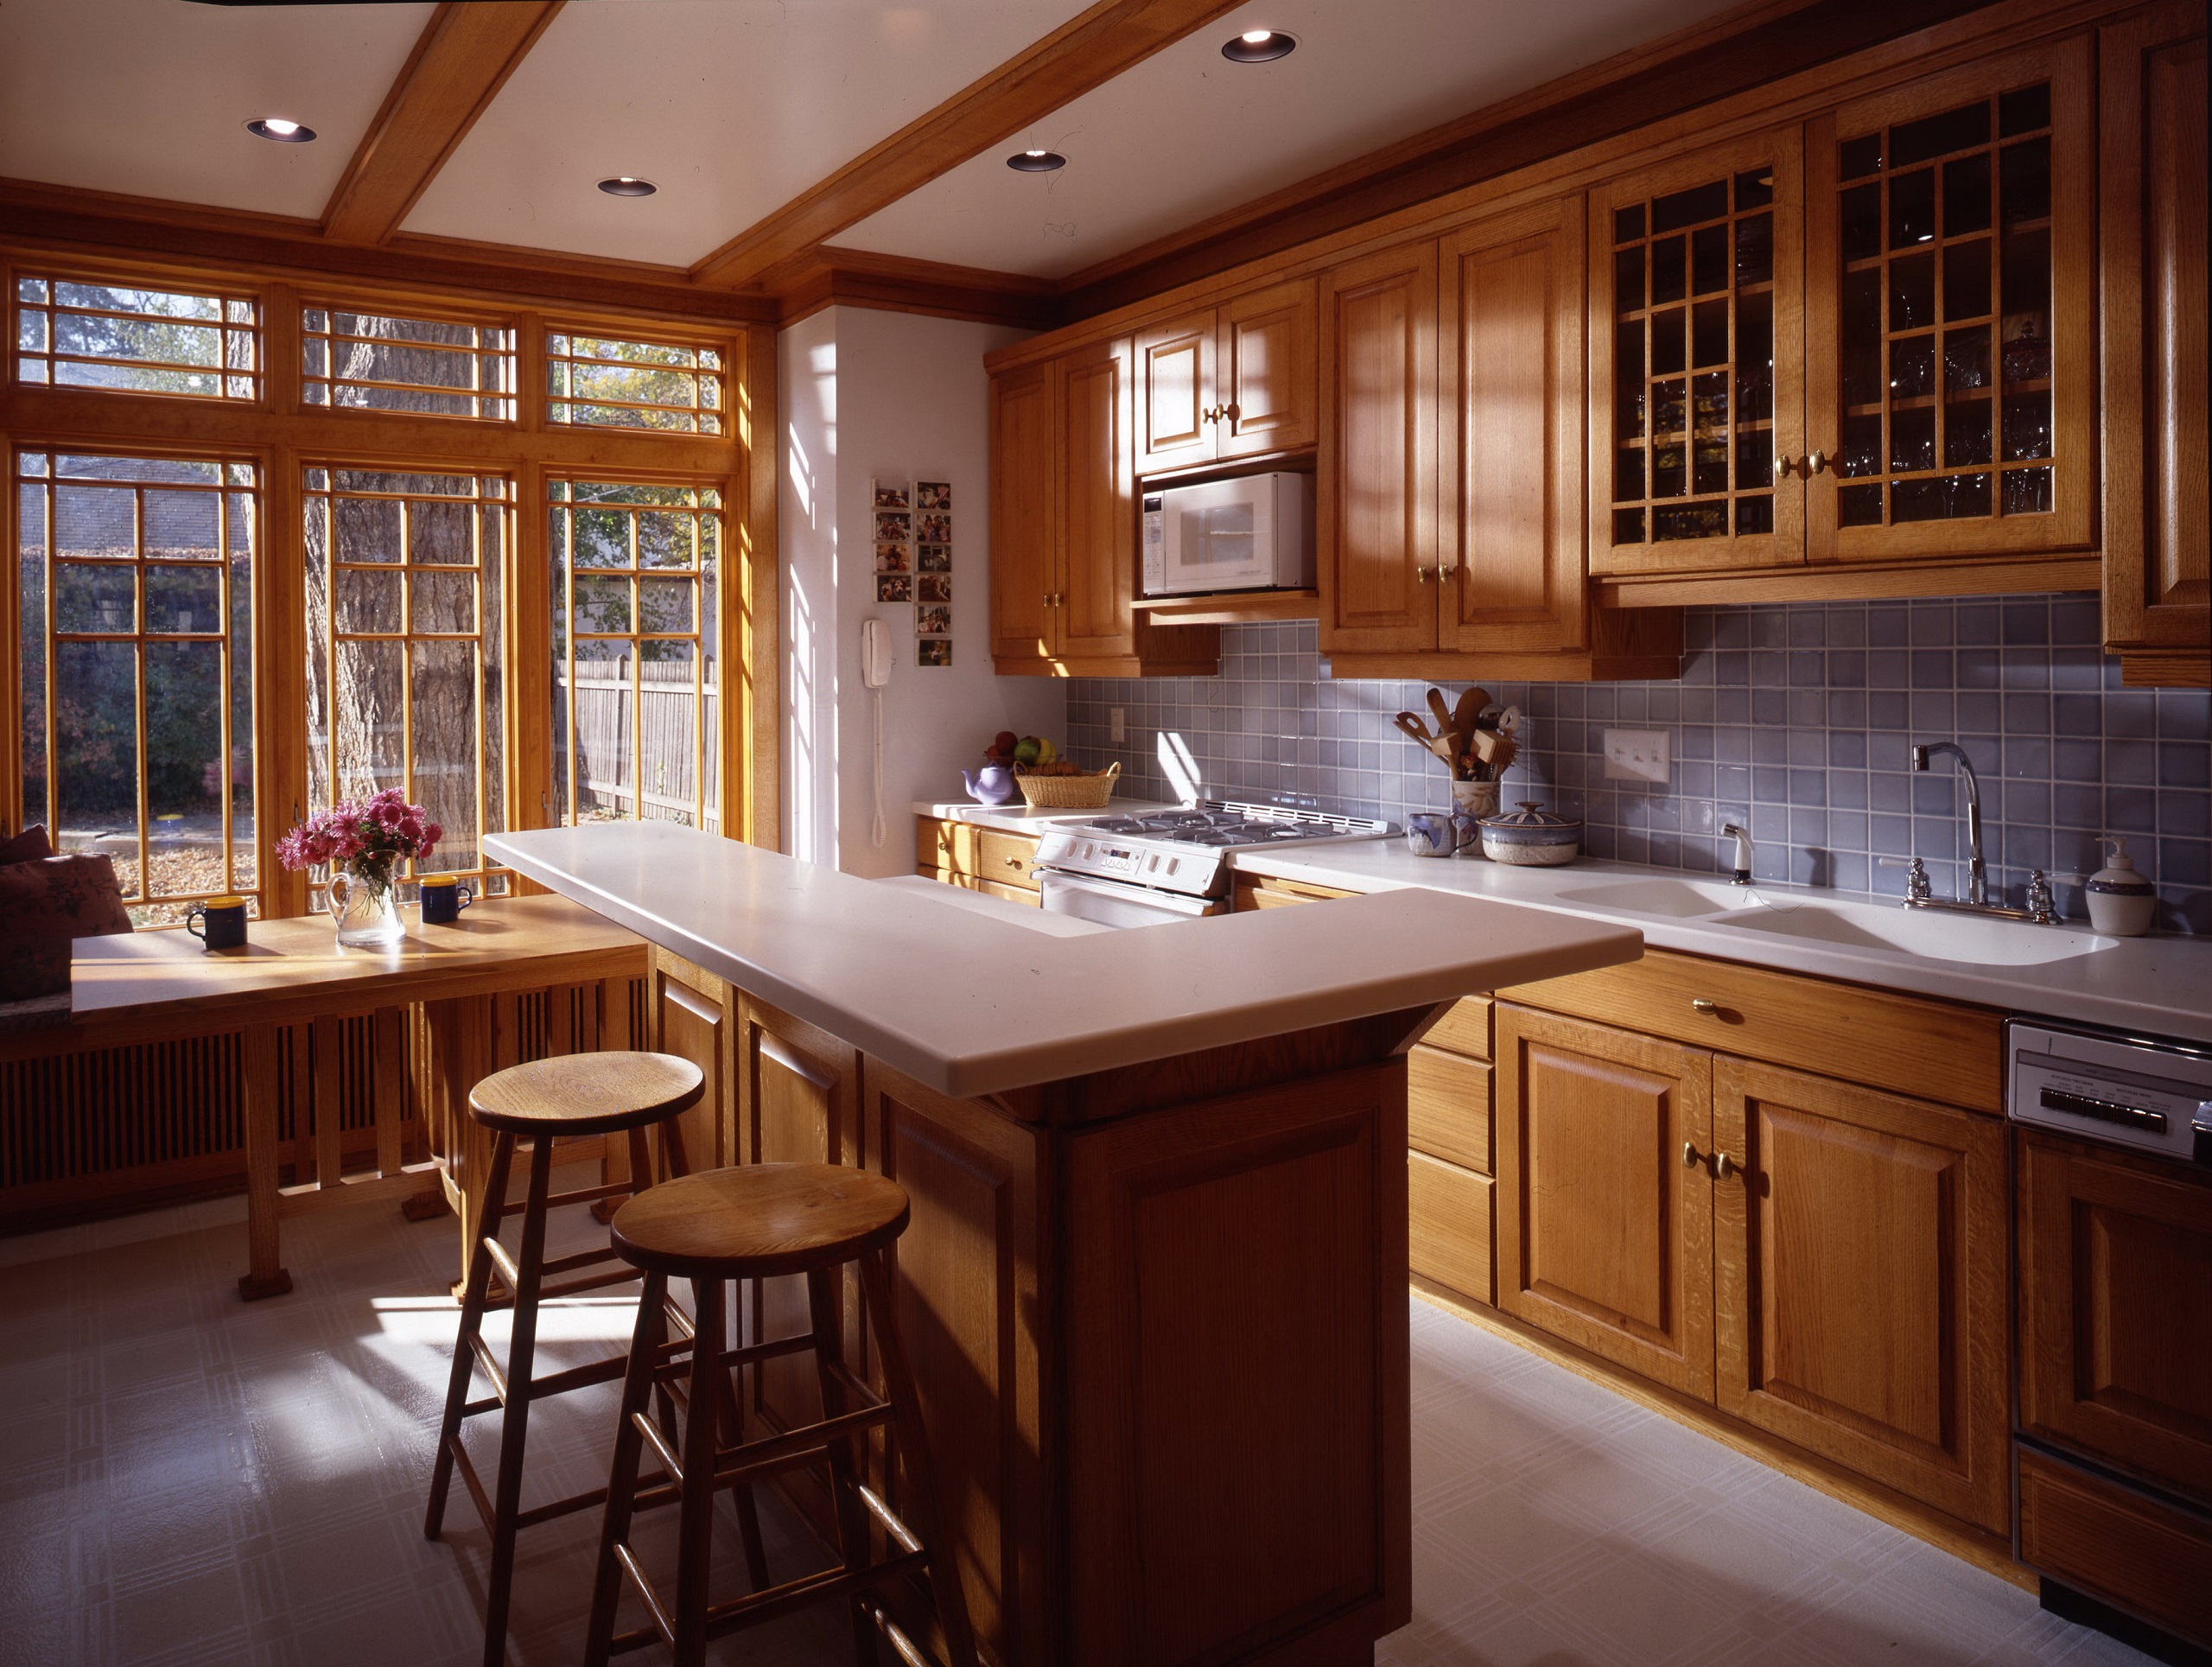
<point>1690,1155</point>
<point>1700,1004</point>
<point>1723,1165</point>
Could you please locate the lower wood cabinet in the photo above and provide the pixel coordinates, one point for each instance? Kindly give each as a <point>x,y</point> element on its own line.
<point>2134,1551</point>
<point>1449,1235</point>
<point>692,1013</point>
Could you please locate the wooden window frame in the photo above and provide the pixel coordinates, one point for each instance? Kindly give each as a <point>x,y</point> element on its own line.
<point>223,292</point>
<point>719,412</point>
<point>330,382</point>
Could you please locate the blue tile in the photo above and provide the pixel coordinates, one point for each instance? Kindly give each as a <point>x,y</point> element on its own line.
<point>2185,862</point>
<point>1767,628</point>
<point>1806,708</point>
<point>1809,787</point>
<point>1770,785</point>
<point>2133,713</point>
<point>1732,781</point>
<point>2027,622</point>
<point>1933,715</point>
<point>1848,789</point>
<point>2077,714</point>
<point>1891,836</point>
<point>2185,815</point>
<point>1808,746</point>
<point>1846,708</point>
<point>1769,746</point>
<point>1888,669</point>
<point>1732,628</point>
<point>2078,761</point>
<point>1978,714</point>
<point>2131,810</point>
<point>1732,706</point>
<point>2135,762</point>
<point>1769,706</point>
<point>1889,792</point>
<point>2076,668</point>
<point>1846,750</point>
<point>1807,627</point>
<point>2077,621</point>
<point>1888,625</point>
<point>2076,805</point>
<point>2184,715</point>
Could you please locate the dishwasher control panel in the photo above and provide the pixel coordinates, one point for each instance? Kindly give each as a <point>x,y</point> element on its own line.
<point>2148,1095</point>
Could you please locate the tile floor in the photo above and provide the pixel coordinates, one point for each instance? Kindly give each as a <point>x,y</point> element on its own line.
<point>185,1478</point>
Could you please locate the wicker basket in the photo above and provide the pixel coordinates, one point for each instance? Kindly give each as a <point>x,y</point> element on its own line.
<point>1070,792</point>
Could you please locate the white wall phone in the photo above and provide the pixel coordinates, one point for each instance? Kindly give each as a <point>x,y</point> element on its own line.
<point>876,672</point>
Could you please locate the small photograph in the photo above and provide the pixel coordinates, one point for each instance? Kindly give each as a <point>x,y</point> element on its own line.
<point>893,523</point>
<point>894,588</point>
<point>928,494</point>
<point>933,559</point>
<point>935,529</point>
<point>930,621</point>
<point>934,651</point>
<point>893,494</point>
<point>933,588</point>
<point>893,558</point>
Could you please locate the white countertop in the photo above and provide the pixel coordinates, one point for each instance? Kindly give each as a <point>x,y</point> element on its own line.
<point>971,1005</point>
<point>2156,985</point>
<point>1024,818</point>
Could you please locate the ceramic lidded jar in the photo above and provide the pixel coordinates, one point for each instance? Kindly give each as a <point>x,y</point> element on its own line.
<point>2122,902</point>
<point>1532,837</point>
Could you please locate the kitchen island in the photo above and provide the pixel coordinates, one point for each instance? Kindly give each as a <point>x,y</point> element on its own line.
<point>1155,1287</point>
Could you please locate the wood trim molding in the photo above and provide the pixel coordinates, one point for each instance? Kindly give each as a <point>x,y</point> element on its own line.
<point>858,277</point>
<point>1088,51</point>
<point>457,68</point>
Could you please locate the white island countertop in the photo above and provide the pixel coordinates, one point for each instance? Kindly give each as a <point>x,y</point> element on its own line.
<point>970,1005</point>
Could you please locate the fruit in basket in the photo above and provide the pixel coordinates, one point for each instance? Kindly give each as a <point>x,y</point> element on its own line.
<point>1028,750</point>
<point>1000,751</point>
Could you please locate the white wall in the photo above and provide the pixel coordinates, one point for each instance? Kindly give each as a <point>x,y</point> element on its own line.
<point>867,393</point>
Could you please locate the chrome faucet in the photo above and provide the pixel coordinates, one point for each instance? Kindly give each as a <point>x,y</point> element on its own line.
<point>1976,870</point>
<point>2040,908</point>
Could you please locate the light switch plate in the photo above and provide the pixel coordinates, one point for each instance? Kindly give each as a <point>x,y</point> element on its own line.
<point>1636,755</point>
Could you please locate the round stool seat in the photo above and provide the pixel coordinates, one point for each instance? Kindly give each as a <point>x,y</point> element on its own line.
<point>759,1219</point>
<point>585,1093</point>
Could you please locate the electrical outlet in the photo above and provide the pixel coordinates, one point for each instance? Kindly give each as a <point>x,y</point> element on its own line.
<point>1117,724</point>
<point>1636,755</point>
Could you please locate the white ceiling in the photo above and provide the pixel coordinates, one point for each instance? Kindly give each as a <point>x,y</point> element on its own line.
<point>732,107</point>
<point>149,97</point>
<point>1187,133</point>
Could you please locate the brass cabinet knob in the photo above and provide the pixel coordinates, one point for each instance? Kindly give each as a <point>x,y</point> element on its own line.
<point>1723,1165</point>
<point>1816,462</point>
<point>1422,574</point>
<point>1700,1004</point>
<point>1231,412</point>
<point>1690,1155</point>
<point>1784,466</point>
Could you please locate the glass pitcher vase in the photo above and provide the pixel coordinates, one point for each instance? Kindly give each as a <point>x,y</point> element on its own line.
<point>366,905</point>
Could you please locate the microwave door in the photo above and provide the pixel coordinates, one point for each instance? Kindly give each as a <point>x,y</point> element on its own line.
<point>1219,550</point>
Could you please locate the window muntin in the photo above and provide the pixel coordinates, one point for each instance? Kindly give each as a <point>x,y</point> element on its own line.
<point>405,619</point>
<point>424,367</point>
<point>136,586</point>
<point>71,333</point>
<point>622,383</point>
<point>635,718</point>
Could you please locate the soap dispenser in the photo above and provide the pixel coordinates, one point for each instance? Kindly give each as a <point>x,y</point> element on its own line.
<point>2121,901</point>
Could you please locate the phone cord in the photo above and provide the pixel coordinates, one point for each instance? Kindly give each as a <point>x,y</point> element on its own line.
<point>879,830</point>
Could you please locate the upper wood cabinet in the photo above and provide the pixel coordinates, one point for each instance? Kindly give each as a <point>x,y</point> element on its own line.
<point>1025,513</point>
<point>1235,380</point>
<point>2158,585</point>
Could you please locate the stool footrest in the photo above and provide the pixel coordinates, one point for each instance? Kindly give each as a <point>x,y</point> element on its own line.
<point>588,1282</point>
<point>739,1463</point>
<point>593,1194</point>
<point>662,1451</point>
<point>878,1508</point>
<point>758,1607</point>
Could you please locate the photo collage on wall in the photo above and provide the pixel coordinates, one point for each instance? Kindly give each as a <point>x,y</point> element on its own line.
<point>913,559</point>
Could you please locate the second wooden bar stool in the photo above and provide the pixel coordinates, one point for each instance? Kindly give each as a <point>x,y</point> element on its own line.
<point>761,1221</point>
<point>610,1094</point>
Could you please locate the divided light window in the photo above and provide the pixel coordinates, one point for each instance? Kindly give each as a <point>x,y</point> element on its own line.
<point>636,730</point>
<point>403,618</point>
<point>429,367</point>
<point>77,334</point>
<point>135,585</point>
<point>609,382</point>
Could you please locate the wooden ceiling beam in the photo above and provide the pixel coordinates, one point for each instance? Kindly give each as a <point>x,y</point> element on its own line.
<point>463,58</point>
<point>1086,52</point>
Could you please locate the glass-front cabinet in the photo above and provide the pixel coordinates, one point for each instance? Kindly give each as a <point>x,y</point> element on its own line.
<point>1950,381</point>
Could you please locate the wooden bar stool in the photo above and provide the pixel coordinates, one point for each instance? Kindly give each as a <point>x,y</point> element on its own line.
<point>612,1093</point>
<point>758,1222</point>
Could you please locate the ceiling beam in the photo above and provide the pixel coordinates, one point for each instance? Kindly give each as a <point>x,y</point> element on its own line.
<point>464,57</point>
<point>1084,52</point>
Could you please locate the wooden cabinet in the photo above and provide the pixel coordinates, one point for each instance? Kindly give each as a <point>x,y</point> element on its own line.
<point>1231,381</point>
<point>975,858</point>
<point>1604,1206</point>
<point>2151,108</point>
<point>2138,1552</point>
<point>1860,1276</point>
<point>691,1013</point>
<point>1063,562</point>
<point>2116,1315</point>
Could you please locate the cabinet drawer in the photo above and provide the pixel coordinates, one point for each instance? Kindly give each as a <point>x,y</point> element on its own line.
<point>1448,1108</point>
<point>983,853</point>
<point>1929,1049</point>
<point>1264,891</point>
<point>1004,858</point>
<point>1465,1029</point>
<point>2136,1552</point>
<point>1448,1211</point>
<point>990,887</point>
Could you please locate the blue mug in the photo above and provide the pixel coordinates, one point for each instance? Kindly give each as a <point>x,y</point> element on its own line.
<point>444,898</point>
<point>219,923</point>
<point>1430,833</point>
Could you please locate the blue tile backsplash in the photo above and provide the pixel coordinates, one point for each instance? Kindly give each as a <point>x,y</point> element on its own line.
<point>1799,716</point>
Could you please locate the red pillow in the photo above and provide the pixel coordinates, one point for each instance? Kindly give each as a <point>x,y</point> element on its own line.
<point>78,893</point>
<point>28,846</point>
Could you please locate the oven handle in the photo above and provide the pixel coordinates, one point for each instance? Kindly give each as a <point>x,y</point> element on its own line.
<point>1149,896</point>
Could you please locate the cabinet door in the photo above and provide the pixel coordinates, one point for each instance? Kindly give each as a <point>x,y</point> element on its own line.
<point>1024,516</point>
<point>1092,610</point>
<point>1175,399</point>
<point>1510,429</point>
<point>1696,359</point>
<point>1376,531</point>
<point>1266,371</point>
<point>2115,1319</point>
<point>1950,314</point>
<point>2158,585</point>
<point>1859,1278</point>
<point>692,1016</point>
<point>1605,1230</point>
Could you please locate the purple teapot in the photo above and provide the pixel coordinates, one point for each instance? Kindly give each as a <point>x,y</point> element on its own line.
<point>992,785</point>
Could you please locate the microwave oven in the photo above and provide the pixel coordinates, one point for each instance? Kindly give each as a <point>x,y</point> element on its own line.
<point>1253,533</point>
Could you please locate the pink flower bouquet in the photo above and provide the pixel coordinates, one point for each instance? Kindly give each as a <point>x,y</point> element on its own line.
<point>365,838</point>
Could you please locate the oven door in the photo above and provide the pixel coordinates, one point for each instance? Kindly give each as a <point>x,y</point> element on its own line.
<point>1115,903</point>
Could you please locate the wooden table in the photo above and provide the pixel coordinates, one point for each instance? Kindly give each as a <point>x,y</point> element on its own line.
<point>156,986</point>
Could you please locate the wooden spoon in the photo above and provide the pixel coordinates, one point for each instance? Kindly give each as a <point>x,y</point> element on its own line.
<point>1469,709</point>
<point>1444,724</point>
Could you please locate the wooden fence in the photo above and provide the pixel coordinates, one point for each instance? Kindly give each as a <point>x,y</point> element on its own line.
<point>667,714</point>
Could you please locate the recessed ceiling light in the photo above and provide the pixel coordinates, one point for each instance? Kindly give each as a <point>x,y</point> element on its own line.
<point>1260,46</point>
<point>628,185</point>
<point>283,131</point>
<point>1036,162</point>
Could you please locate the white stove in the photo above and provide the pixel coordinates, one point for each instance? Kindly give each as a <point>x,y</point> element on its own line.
<point>1170,865</point>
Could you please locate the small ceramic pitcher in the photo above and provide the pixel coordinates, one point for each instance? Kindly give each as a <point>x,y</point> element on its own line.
<point>1431,833</point>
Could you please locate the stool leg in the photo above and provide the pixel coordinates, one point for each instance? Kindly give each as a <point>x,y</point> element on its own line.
<point>671,1140</point>
<point>472,1322</point>
<point>926,1507</point>
<point>515,1423</point>
<point>748,1513</point>
<point>695,1531</point>
<point>844,1475</point>
<point>622,1474</point>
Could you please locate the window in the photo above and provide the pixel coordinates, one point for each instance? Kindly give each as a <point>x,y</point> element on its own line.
<point>635,569</point>
<point>607,382</point>
<point>76,334</point>
<point>403,616</point>
<point>137,666</point>
<point>431,367</point>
